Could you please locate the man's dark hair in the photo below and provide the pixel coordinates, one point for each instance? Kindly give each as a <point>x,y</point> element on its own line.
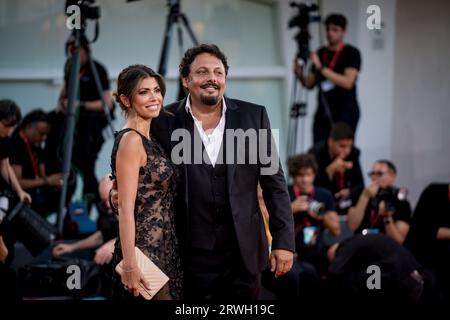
<point>341,131</point>
<point>389,164</point>
<point>9,112</point>
<point>33,117</point>
<point>336,19</point>
<point>301,161</point>
<point>190,54</point>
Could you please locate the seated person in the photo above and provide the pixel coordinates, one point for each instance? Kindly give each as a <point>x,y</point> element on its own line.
<point>313,209</point>
<point>429,237</point>
<point>339,170</point>
<point>381,208</point>
<point>10,192</point>
<point>349,273</point>
<point>10,189</point>
<point>28,165</point>
<point>312,206</point>
<point>104,237</point>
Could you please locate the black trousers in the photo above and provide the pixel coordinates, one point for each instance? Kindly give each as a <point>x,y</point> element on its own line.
<point>301,283</point>
<point>88,144</point>
<point>322,124</point>
<point>219,275</point>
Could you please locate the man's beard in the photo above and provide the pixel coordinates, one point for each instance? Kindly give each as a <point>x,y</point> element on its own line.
<point>209,100</point>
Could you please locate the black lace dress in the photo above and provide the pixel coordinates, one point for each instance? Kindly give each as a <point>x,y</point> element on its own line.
<point>154,219</point>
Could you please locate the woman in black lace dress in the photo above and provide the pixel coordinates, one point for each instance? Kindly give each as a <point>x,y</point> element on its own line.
<point>146,187</point>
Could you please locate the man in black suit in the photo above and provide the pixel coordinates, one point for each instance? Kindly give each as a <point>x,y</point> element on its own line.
<point>222,238</point>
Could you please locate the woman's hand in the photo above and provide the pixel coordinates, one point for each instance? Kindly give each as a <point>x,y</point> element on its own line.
<point>132,278</point>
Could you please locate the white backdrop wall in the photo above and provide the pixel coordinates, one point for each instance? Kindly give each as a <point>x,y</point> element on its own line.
<point>421,113</point>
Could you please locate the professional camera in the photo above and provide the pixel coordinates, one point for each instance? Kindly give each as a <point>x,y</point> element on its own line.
<point>302,20</point>
<point>35,232</point>
<point>88,8</point>
<point>391,196</point>
<point>317,207</point>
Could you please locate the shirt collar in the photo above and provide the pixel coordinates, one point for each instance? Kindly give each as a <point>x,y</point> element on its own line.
<point>189,108</point>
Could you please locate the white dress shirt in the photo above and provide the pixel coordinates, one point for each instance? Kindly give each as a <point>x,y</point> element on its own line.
<point>212,138</point>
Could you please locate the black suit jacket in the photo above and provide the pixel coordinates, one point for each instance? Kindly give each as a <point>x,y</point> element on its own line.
<point>242,185</point>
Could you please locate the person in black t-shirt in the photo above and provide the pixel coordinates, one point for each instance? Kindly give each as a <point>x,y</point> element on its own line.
<point>339,168</point>
<point>313,207</point>
<point>91,120</point>
<point>335,69</point>
<point>429,237</point>
<point>9,116</point>
<point>314,214</point>
<point>375,213</point>
<point>27,162</point>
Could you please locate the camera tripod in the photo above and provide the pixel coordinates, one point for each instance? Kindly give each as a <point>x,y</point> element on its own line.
<point>175,16</point>
<point>72,90</point>
<point>298,111</point>
<point>299,100</point>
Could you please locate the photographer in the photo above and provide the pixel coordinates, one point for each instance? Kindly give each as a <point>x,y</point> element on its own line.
<point>27,162</point>
<point>335,69</point>
<point>313,210</point>
<point>314,214</point>
<point>10,192</point>
<point>381,208</point>
<point>88,138</point>
<point>339,169</point>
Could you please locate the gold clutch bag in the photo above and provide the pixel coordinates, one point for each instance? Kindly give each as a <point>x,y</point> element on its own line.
<point>152,274</point>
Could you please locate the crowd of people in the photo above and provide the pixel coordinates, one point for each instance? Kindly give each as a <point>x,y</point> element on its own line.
<point>222,228</point>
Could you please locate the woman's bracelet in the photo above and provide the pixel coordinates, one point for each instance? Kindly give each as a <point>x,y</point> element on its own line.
<point>129,270</point>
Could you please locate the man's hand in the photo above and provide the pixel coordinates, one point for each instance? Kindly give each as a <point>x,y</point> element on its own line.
<point>300,204</point>
<point>338,165</point>
<point>114,198</point>
<point>298,69</point>
<point>62,248</point>
<point>281,261</point>
<point>315,216</point>
<point>104,254</point>
<point>371,190</point>
<point>343,194</point>
<point>63,104</point>
<point>3,251</point>
<point>55,180</point>
<point>383,211</point>
<point>316,60</point>
<point>24,196</point>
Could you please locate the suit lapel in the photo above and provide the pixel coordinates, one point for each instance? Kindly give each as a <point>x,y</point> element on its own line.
<point>180,119</point>
<point>232,122</point>
<point>180,123</point>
